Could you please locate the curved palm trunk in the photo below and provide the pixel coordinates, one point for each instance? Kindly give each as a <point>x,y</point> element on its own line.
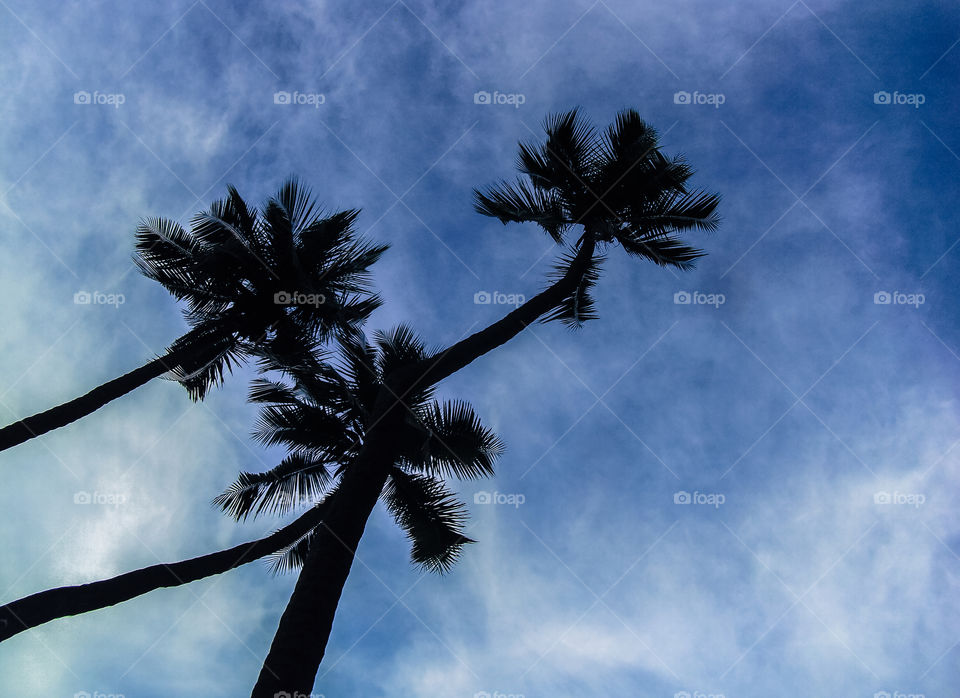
<point>61,415</point>
<point>301,639</point>
<point>447,362</point>
<point>42,607</point>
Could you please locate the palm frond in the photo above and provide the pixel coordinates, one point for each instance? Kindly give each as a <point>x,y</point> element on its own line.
<point>431,516</point>
<point>167,253</point>
<point>292,557</point>
<point>452,442</point>
<point>297,204</point>
<point>398,347</point>
<point>305,429</point>
<point>571,147</point>
<point>521,203</point>
<point>296,481</point>
<point>263,390</point>
<point>577,307</point>
<point>629,138</point>
<point>676,211</point>
<point>664,251</point>
<point>213,353</point>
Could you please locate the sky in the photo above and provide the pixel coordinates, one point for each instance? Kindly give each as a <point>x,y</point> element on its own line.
<point>740,481</point>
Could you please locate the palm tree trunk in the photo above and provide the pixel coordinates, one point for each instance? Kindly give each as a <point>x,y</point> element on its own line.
<point>36,609</point>
<point>301,638</point>
<point>61,415</point>
<point>447,362</point>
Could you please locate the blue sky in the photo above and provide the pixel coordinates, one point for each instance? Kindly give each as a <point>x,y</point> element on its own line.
<point>829,129</point>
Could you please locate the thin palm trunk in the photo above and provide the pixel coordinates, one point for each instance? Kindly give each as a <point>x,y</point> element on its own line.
<point>301,639</point>
<point>42,607</point>
<point>61,415</point>
<point>447,362</point>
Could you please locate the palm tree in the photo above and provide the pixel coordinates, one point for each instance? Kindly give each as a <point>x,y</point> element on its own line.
<point>265,284</point>
<point>321,418</point>
<point>373,421</point>
<point>325,419</point>
<point>619,189</point>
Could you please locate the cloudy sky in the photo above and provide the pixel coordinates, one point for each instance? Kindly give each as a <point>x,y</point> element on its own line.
<point>750,493</point>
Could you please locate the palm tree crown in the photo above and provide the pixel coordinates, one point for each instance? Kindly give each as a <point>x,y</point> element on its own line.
<point>271,283</point>
<point>617,185</point>
<point>322,417</point>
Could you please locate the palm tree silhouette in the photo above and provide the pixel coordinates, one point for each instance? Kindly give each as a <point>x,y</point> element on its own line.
<point>323,419</point>
<point>620,189</point>
<point>266,284</point>
<point>372,419</point>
